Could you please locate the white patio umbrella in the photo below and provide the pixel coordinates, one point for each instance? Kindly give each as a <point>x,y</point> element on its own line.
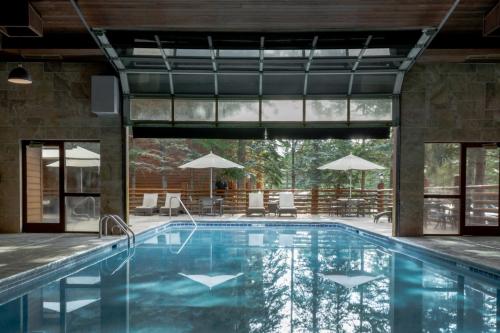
<point>77,157</point>
<point>349,163</point>
<point>73,153</point>
<point>211,161</point>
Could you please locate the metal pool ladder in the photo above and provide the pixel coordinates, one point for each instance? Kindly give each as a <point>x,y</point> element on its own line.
<point>190,216</point>
<point>118,222</point>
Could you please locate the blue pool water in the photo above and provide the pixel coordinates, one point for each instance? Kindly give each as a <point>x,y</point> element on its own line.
<point>258,280</point>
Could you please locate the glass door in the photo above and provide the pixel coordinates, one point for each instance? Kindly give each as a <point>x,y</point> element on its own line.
<point>480,189</point>
<point>82,164</point>
<point>61,186</point>
<point>42,187</point>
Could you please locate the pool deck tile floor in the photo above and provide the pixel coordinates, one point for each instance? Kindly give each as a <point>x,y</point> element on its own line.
<point>23,252</point>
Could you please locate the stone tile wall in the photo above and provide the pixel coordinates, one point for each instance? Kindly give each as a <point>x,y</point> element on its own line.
<point>55,107</point>
<point>442,103</point>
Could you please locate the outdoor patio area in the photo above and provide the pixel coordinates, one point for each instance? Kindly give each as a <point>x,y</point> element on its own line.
<point>249,166</point>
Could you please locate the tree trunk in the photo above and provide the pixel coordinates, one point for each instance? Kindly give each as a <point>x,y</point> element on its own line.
<point>163,166</point>
<point>132,179</point>
<point>294,146</point>
<point>241,160</point>
<point>363,173</point>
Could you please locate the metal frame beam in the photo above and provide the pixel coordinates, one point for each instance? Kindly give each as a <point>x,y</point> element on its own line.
<point>214,64</point>
<point>167,64</point>
<point>422,44</point>
<point>297,60</point>
<point>261,65</point>
<point>115,60</point>
<point>258,73</point>
<point>105,46</point>
<point>356,64</point>
<point>309,62</point>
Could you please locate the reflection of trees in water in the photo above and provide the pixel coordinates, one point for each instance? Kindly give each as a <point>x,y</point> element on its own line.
<point>320,304</point>
<point>267,295</point>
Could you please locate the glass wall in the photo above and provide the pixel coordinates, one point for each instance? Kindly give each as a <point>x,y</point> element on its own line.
<point>61,186</point>
<point>482,186</point>
<point>371,109</point>
<point>442,188</point>
<point>326,110</point>
<point>239,110</point>
<point>151,109</point>
<point>42,183</point>
<point>270,110</point>
<point>282,110</point>
<point>194,110</point>
<point>82,185</point>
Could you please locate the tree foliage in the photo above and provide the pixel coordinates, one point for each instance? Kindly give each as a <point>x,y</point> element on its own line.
<point>275,163</point>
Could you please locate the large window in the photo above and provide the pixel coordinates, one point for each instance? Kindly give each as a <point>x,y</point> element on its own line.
<point>461,188</point>
<point>371,109</point>
<point>442,188</point>
<point>151,109</point>
<point>482,186</point>
<point>239,110</point>
<point>61,186</point>
<point>326,110</point>
<point>194,110</point>
<point>267,110</point>
<point>282,110</point>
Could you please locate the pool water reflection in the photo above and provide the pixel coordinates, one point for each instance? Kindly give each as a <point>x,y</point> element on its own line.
<point>258,280</point>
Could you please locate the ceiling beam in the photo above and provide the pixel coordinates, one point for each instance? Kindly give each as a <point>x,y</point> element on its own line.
<point>356,64</point>
<point>261,65</point>
<point>214,64</point>
<point>160,71</point>
<point>309,62</point>
<point>423,42</point>
<point>167,64</point>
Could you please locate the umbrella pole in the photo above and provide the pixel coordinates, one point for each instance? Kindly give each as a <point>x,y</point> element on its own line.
<point>211,171</point>
<point>81,180</point>
<point>350,184</point>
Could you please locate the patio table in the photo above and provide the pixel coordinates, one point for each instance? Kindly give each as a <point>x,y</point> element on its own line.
<point>211,203</point>
<point>351,206</point>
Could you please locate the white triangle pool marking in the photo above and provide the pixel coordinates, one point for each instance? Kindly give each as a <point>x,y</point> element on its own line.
<point>83,279</point>
<point>70,306</point>
<point>350,282</point>
<point>210,281</point>
<point>285,240</point>
<point>255,239</point>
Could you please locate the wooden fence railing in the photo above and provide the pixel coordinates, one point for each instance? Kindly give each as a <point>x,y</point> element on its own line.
<point>307,201</point>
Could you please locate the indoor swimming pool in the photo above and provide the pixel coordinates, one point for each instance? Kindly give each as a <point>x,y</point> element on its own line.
<point>259,279</point>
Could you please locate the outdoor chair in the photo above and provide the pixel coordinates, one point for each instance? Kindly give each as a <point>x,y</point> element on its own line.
<point>387,213</point>
<point>335,208</point>
<point>171,202</point>
<point>206,206</point>
<point>286,204</point>
<point>149,205</point>
<point>256,204</point>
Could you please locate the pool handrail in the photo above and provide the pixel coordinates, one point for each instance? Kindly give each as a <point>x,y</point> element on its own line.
<point>118,223</point>
<point>190,216</point>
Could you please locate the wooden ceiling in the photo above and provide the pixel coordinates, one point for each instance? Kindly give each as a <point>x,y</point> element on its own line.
<point>244,15</point>
<point>64,31</point>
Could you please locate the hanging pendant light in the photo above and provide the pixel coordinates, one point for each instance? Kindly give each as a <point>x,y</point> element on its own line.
<point>19,75</point>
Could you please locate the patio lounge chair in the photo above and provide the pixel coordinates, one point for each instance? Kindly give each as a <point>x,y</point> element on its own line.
<point>171,201</point>
<point>149,202</point>
<point>256,204</point>
<point>286,204</point>
<point>387,213</point>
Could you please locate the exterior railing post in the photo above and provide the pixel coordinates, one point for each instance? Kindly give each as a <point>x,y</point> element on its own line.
<point>380,197</point>
<point>314,200</point>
